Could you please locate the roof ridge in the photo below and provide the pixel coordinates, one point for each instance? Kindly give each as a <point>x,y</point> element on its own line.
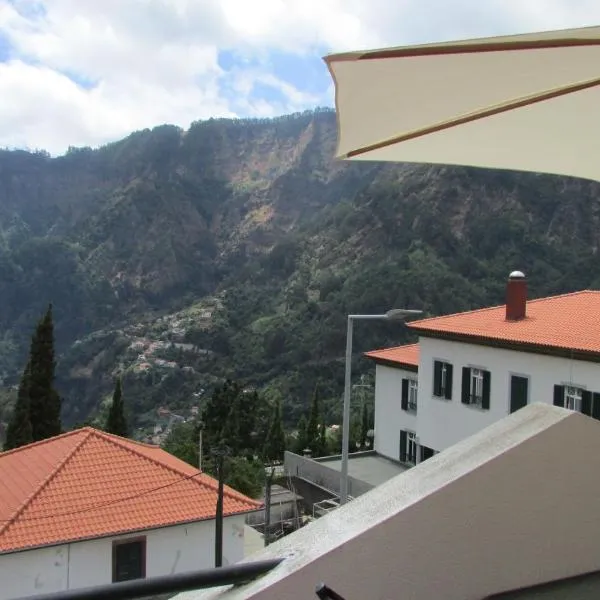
<point>125,440</point>
<point>415,324</point>
<point>206,482</point>
<point>44,441</point>
<point>47,480</point>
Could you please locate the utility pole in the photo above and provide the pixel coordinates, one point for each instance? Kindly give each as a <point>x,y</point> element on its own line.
<point>269,482</point>
<point>219,452</point>
<point>200,428</point>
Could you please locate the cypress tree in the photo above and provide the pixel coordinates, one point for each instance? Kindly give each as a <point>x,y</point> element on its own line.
<point>44,401</point>
<point>301,439</point>
<point>116,422</point>
<point>312,428</point>
<point>18,432</point>
<point>323,443</point>
<point>275,445</point>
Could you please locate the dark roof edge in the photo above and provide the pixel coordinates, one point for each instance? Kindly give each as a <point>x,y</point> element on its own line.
<point>395,364</point>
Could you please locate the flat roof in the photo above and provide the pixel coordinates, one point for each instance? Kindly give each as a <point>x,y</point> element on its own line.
<point>372,468</point>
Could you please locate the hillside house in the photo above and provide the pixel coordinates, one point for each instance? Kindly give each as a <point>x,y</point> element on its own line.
<point>471,369</point>
<point>88,508</point>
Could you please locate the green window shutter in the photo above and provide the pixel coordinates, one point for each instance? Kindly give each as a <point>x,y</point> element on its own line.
<point>586,403</point>
<point>559,395</point>
<point>466,385</point>
<point>437,378</point>
<point>403,438</point>
<point>596,405</point>
<point>404,403</point>
<point>487,388</point>
<point>518,392</point>
<point>448,390</point>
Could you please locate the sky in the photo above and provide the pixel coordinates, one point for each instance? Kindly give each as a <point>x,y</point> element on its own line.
<point>88,72</point>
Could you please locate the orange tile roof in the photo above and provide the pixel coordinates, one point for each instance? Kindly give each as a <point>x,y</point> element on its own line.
<point>87,483</point>
<point>569,321</point>
<point>401,355</point>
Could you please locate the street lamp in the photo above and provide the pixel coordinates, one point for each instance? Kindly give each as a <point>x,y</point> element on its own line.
<point>397,314</point>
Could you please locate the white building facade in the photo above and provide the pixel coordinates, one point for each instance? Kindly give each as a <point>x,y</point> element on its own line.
<point>164,551</point>
<point>463,383</point>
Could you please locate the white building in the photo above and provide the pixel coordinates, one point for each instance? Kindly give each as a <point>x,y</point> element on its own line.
<point>88,508</point>
<point>472,369</point>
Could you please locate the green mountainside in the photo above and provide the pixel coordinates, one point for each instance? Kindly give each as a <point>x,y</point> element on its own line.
<point>236,248</point>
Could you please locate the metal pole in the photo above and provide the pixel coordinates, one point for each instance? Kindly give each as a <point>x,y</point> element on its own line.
<point>200,449</point>
<point>219,517</point>
<point>268,505</point>
<point>346,414</point>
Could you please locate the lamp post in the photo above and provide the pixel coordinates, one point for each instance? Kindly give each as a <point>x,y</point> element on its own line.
<point>397,314</point>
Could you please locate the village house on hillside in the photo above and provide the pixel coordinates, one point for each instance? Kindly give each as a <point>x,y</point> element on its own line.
<point>88,508</point>
<point>467,371</point>
<point>471,369</point>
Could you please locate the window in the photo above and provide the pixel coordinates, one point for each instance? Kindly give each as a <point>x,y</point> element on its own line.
<point>129,559</point>
<point>408,447</point>
<point>410,388</point>
<point>577,398</point>
<point>573,398</point>
<point>413,387</point>
<point>442,379</point>
<point>476,385</point>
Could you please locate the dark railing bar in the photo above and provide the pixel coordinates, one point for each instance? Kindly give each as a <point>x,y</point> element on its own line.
<point>324,592</point>
<point>137,588</point>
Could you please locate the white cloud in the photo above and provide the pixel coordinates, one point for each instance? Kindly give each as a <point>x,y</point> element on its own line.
<point>140,63</point>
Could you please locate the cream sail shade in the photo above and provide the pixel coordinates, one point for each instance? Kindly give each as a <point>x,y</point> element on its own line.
<point>529,102</point>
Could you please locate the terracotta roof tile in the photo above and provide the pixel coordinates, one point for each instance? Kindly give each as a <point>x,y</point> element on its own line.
<point>401,355</point>
<point>569,321</point>
<point>88,483</point>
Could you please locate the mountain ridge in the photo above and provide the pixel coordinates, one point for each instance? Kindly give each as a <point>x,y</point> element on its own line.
<point>257,223</point>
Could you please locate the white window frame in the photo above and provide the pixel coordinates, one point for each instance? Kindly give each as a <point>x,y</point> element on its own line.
<point>444,378</point>
<point>476,386</point>
<point>573,396</point>
<point>411,442</point>
<point>413,391</point>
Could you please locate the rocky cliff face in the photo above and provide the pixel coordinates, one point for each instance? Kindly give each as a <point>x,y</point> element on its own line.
<point>255,223</point>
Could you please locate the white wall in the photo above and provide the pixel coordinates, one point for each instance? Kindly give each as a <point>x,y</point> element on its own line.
<point>389,416</point>
<point>169,550</point>
<point>442,423</point>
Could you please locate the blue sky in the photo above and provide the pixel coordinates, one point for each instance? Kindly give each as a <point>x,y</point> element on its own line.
<point>86,72</point>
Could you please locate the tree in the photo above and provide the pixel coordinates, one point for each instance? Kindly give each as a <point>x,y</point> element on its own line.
<point>364,427</point>
<point>183,441</point>
<point>275,444</point>
<point>116,422</point>
<point>44,400</point>
<point>312,428</point>
<point>18,432</point>
<point>301,438</point>
<point>245,476</point>
<point>323,441</point>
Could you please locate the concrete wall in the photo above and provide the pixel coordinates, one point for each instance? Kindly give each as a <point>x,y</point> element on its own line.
<point>317,472</point>
<point>389,416</point>
<point>442,423</point>
<point>169,550</point>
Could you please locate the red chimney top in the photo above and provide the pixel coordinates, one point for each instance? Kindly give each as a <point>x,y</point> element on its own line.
<point>516,296</point>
